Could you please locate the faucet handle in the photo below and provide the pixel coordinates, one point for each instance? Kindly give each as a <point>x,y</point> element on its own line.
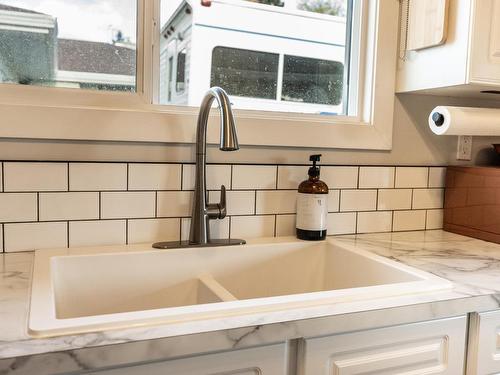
<point>222,204</point>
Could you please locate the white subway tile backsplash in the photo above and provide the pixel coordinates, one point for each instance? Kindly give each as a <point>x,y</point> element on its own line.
<point>376,177</point>
<point>217,175</point>
<point>113,203</point>
<point>98,232</point>
<point>254,177</point>
<point>277,201</point>
<point>434,219</point>
<point>154,177</point>
<point>333,200</point>
<point>409,220</point>
<point>341,223</point>
<point>97,176</point>
<point>174,203</point>
<point>290,177</point>
<point>32,236</point>
<point>24,176</point>
<point>411,177</point>
<point>340,177</point>
<point>69,206</point>
<point>358,200</point>
<point>437,177</point>
<point>127,204</point>
<point>15,207</point>
<point>252,226</point>
<point>153,230</point>
<point>218,228</point>
<point>394,199</point>
<point>238,202</point>
<point>428,198</point>
<point>371,222</point>
<point>285,225</point>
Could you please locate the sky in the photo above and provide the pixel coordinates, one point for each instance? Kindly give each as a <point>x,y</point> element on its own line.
<point>94,20</point>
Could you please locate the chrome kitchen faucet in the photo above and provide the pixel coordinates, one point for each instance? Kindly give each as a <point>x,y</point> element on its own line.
<point>203,212</point>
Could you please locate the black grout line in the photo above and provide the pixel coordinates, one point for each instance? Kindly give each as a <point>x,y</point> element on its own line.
<point>182,176</point>
<point>100,205</point>
<point>156,204</point>
<point>67,233</point>
<point>128,174</point>
<point>3,238</point>
<point>37,206</point>
<point>126,232</point>
<point>67,171</point>
<point>3,176</point>
<point>219,163</point>
<point>428,177</point>
<point>277,176</point>
<point>255,203</point>
<point>275,225</point>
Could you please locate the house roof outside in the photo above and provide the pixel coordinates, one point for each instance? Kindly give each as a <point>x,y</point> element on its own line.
<point>16,9</point>
<point>95,57</point>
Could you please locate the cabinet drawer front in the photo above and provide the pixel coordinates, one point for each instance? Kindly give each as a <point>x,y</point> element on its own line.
<point>436,347</point>
<point>484,344</point>
<point>266,360</point>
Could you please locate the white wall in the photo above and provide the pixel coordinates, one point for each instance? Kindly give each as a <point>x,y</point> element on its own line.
<point>413,144</point>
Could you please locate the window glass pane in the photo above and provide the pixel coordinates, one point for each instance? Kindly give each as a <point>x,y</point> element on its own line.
<point>76,44</point>
<point>181,70</point>
<point>312,81</point>
<point>245,73</point>
<point>269,55</point>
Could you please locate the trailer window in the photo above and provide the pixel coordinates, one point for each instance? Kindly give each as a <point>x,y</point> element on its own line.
<point>245,73</point>
<point>312,81</point>
<point>180,82</point>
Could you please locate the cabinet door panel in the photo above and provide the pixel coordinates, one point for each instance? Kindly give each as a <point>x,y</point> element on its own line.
<point>484,344</point>
<point>436,347</point>
<point>267,360</point>
<point>485,46</point>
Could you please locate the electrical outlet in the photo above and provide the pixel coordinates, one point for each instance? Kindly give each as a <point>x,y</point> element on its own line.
<point>464,147</point>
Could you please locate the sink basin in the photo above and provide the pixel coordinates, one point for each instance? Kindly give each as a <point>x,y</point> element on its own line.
<point>83,290</point>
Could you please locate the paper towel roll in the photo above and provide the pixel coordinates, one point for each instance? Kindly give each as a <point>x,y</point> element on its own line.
<point>445,120</point>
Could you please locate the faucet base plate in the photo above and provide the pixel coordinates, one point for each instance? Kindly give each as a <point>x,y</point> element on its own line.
<point>212,243</point>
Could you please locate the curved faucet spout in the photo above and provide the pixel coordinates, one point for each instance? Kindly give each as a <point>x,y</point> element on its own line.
<point>228,137</point>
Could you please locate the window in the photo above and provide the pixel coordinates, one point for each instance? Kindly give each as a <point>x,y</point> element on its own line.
<point>245,73</point>
<point>312,81</point>
<point>296,58</point>
<point>349,41</point>
<point>71,44</point>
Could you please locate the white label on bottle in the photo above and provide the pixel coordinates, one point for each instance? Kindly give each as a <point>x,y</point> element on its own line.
<point>312,211</point>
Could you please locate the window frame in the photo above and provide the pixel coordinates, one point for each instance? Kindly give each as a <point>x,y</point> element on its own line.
<point>31,112</point>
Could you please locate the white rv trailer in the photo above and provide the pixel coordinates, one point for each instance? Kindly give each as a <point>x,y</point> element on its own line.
<point>266,57</point>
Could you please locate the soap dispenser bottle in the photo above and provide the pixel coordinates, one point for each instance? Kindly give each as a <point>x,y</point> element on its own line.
<point>312,205</point>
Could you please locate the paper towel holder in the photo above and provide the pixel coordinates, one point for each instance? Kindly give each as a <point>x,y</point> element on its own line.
<point>438,118</point>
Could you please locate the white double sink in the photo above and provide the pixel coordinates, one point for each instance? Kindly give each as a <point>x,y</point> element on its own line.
<point>85,290</point>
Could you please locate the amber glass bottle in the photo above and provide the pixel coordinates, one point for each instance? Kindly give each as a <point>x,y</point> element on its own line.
<point>312,209</point>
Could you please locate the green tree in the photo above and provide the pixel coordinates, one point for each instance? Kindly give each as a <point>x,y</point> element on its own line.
<point>331,7</point>
<point>277,3</point>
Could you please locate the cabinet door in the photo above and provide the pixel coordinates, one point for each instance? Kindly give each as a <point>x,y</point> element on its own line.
<point>485,43</point>
<point>265,360</point>
<point>435,347</point>
<point>484,344</point>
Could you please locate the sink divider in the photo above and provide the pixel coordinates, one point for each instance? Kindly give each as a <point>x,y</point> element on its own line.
<point>215,288</point>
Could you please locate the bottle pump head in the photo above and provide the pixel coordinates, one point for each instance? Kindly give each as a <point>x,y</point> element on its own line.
<point>314,170</point>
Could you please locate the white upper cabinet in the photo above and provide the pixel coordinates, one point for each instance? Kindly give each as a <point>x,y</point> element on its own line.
<point>466,64</point>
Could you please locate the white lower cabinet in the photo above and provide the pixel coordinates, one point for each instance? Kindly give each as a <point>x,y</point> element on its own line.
<point>484,344</point>
<point>264,360</point>
<point>433,347</point>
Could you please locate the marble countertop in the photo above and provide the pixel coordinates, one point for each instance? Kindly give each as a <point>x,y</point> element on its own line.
<point>472,265</point>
